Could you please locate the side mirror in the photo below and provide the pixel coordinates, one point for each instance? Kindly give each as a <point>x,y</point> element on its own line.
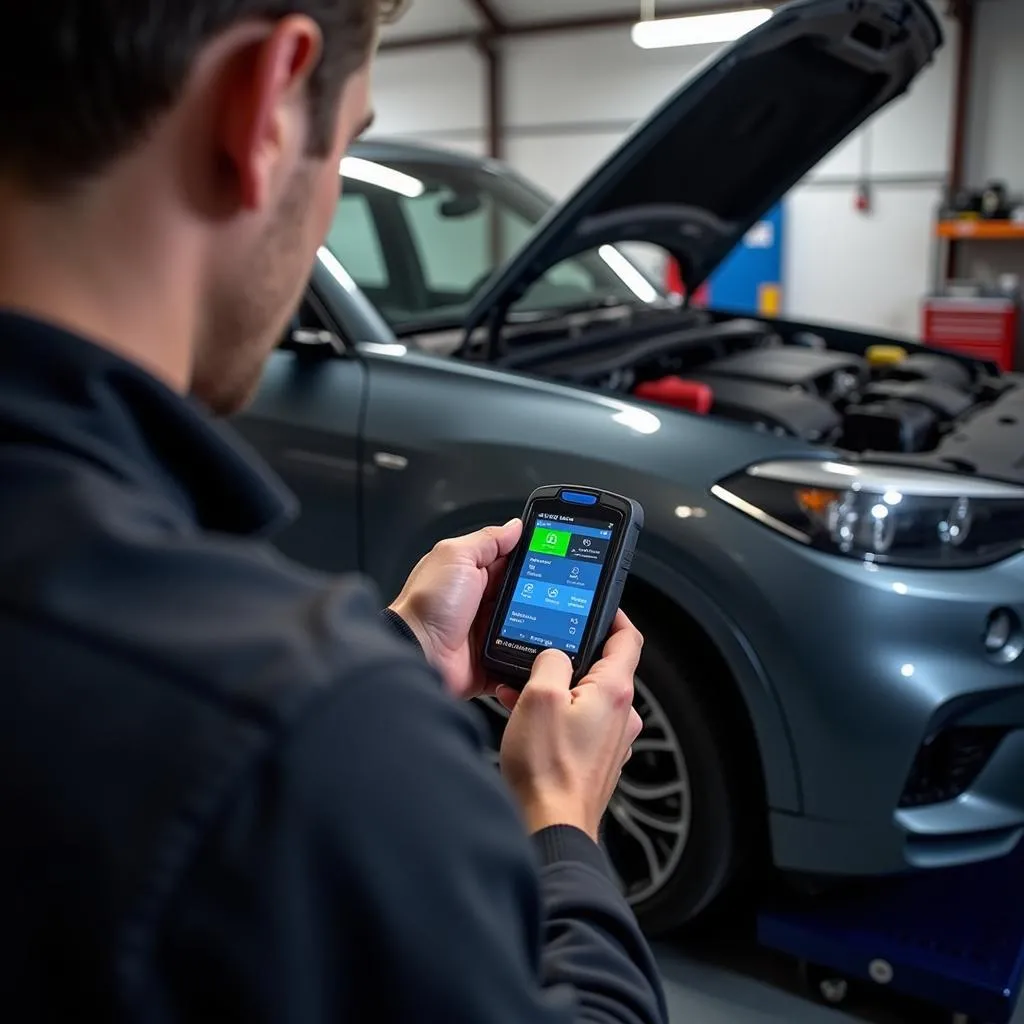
<point>310,343</point>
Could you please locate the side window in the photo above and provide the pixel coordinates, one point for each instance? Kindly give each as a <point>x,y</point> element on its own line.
<point>354,240</point>
<point>570,274</point>
<point>452,236</point>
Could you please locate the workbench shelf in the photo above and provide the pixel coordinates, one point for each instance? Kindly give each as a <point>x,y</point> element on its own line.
<point>968,229</point>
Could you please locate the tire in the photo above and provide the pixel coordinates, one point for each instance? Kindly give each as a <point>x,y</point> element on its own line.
<point>681,815</point>
<point>715,748</point>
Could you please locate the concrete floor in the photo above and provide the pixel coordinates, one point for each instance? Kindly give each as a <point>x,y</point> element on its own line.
<point>744,985</point>
<point>701,992</point>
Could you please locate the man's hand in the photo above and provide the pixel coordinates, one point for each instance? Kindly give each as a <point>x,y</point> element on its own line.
<point>449,598</point>
<point>564,749</point>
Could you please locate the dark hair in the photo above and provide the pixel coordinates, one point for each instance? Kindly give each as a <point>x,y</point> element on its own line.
<point>81,81</point>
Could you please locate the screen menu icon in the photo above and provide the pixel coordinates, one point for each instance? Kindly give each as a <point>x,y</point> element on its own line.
<point>552,600</point>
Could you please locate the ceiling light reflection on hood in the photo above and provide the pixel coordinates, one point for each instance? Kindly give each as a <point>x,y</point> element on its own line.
<point>640,420</point>
<point>698,29</point>
<point>382,176</point>
<point>628,274</point>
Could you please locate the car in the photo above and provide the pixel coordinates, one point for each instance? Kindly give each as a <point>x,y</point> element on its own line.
<point>830,579</point>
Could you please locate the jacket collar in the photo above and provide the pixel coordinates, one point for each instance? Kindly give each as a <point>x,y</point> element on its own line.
<point>63,392</point>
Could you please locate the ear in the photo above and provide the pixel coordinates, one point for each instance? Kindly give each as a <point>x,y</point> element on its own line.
<point>263,127</point>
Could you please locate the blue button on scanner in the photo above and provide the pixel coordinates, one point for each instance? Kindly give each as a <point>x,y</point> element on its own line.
<point>577,498</point>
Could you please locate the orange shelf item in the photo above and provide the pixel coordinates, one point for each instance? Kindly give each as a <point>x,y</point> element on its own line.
<point>983,230</point>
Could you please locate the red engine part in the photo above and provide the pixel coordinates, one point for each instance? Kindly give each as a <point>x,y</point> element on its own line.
<point>683,394</point>
<point>674,279</point>
<point>674,286</point>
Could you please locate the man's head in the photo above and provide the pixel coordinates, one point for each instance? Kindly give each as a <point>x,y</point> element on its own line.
<point>234,113</point>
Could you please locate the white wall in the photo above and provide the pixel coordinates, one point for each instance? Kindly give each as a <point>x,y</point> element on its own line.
<point>571,98</point>
<point>437,94</point>
<point>873,268</point>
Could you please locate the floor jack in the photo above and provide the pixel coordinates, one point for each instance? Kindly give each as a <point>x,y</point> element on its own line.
<point>950,940</point>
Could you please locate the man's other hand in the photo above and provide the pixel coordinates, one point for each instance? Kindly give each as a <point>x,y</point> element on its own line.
<point>564,747</point>
<point>449,599</point>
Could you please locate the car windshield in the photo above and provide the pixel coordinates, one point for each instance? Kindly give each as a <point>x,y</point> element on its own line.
<point>421,238</point>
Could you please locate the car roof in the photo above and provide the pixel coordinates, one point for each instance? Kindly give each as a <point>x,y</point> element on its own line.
<point>385,150</point>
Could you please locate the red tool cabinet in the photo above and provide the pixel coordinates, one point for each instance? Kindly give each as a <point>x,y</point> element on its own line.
<point>983,328</point>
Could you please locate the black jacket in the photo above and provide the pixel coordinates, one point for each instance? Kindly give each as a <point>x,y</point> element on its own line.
<point>229,789</point>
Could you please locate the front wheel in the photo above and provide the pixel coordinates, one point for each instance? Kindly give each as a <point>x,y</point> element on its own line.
<point>673,825</point>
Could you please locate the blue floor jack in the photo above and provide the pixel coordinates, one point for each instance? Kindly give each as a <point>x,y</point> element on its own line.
<point>952,939</point>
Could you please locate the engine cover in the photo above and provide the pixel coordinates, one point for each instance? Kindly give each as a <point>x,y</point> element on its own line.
<point>831,375</point>
<point>948,402</point>
<point>989,442</point>
<point>772,408</point>
<point>924,366</point>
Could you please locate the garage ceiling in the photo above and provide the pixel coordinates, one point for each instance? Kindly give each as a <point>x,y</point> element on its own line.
<point>440,17</point>
<point>435,17</point>
<point>543,10</point>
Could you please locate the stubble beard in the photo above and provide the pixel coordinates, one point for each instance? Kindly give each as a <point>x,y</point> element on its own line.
<point>248,317</point>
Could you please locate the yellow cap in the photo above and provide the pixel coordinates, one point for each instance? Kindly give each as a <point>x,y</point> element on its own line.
<point>885,355</point>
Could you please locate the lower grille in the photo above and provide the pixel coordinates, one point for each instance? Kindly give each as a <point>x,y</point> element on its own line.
<point>947,764</point>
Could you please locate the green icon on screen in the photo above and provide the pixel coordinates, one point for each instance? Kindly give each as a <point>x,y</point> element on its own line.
<point>550,542</point>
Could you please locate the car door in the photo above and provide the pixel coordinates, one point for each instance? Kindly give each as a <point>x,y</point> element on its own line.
<point>425,475</point>
<point>420,409</point>
<point>304,421</point>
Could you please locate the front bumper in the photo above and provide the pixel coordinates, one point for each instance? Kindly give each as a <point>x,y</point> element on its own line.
<point>876,670</point>
<point>983,821</point>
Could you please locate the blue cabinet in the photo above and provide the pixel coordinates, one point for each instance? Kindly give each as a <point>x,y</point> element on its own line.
<point>750,279</point>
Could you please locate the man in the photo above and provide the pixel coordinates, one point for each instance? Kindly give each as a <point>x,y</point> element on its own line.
<point>230,789</point>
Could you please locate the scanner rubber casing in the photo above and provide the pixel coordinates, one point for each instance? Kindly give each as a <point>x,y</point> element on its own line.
<point>516,670</point>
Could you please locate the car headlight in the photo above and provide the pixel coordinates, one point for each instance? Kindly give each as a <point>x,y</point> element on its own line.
<point>887,514</point>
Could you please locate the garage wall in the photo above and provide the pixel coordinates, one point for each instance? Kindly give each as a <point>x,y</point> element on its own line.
<point>873,268</point>
<point>571,98</point>
<point>436,94</point>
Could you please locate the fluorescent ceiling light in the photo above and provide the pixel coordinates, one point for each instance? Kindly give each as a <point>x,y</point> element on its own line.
<point>628,274</point>
<point>382,176</point>
<point>698,28</point>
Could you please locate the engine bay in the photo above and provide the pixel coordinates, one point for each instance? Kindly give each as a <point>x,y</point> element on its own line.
<point>844,393</point>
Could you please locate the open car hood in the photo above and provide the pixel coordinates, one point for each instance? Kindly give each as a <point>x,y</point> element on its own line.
<point>718,154</point>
